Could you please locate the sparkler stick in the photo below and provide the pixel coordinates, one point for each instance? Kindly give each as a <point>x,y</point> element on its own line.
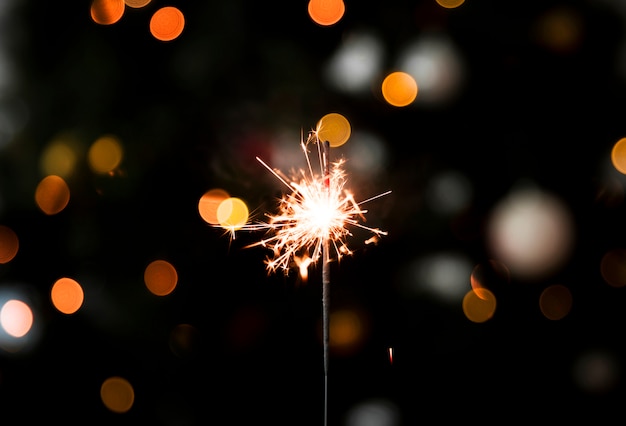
<point>314,219</point>
<point>326,284</point>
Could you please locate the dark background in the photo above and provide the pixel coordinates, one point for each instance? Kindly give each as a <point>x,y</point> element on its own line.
<point>192,115</point>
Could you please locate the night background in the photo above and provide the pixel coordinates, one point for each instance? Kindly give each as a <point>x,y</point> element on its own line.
<point>501,174</point>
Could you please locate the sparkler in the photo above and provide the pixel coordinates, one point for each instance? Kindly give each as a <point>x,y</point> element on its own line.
<point>314,216</point>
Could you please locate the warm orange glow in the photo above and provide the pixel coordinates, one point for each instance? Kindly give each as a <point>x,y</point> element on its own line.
<point>399,89</point>
<point>59,158</point>
<point>232,213</point>
<point>208,204</point>
<point>333,128</point>
<point>347,331</point>
<point>9,244</point>
<point>160,277</point>
<point>137,4</point>
<point>613,267</point>
<point>117,394</point>
<point>490,275</point>
<point>326,12</point>
<point>560,29</point>
<point>555,302</point>
<point>105,154</point>
<point>618,155</point>
<point>107,12</point>
<point>52,194</point>
<point>67,295</point>
<point>450,4</point>
<point>167,23</point>
<point>479,305</point>
<point>16,318</point>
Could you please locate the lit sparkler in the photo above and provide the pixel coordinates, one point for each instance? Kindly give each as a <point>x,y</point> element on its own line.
<point>318,209</point>
<point>317,214</point>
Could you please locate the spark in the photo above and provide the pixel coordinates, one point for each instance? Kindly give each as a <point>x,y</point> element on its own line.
<point>317,208</point>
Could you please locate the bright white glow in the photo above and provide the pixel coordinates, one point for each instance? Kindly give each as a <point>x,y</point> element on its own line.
<point>436,66</point>
<point>355,65</point>
<point>531,232</point>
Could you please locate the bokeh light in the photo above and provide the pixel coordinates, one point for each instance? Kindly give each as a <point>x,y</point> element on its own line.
<point>348,330</point>
<point>160,277</point>
<point>67,295</point>
<point>374,412</point>
<point>60,157</point>
<point>448,192</point>
<point>167,23</point>
<point>443,276</point>
<point>479,305</point>
<point>52,194</point>
<point>532,232</point>
<point>491,275</point>
<point>399,89</point>
<point>450,4</point>
<point>560,29</point>
<point>333,128</point>
<point>618,155</point>
<point>9,244</point>
<point>105,154</point>
<point>16,317</point>
<point>137,4</point>
<point>232,213</point>
<point>597,371</point>
<point>356,63</point>
<point>117,394</point>
<point>434,61</point>
<point>613,267</point>
<point>326,12</point>
<point>107,12</point>
<point>209,203</point>
<point>555,302</point>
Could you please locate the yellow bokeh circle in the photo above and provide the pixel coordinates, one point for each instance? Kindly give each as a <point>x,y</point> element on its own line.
<point>334,128</point>
<point>232,213</point>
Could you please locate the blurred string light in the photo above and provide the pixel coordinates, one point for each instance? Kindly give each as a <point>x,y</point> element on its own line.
<point>349,329</point>
<point>430,63</point>
<point>326,12</point>
<point>442,276</point>
<point>450,4</point>
<point>532,232</point>
<point>209,203</point>
<point>448,192</point>
<point>613,267</point>
<point>117,394</point>
<point>399,89</point>
<point>597,371</point>
<point>20,328</point>
<point>373,412</point>
<point>356,63</point>
<point>52,194</point>
<point>559,29</point>
<point>435,64</point>
<point>160,277</point>
<point>105,154</point>
<point>165,24</point>
<point>555,302</point>
<point>67,295</point>
<point>9,244</point>
<point>60,156</point>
